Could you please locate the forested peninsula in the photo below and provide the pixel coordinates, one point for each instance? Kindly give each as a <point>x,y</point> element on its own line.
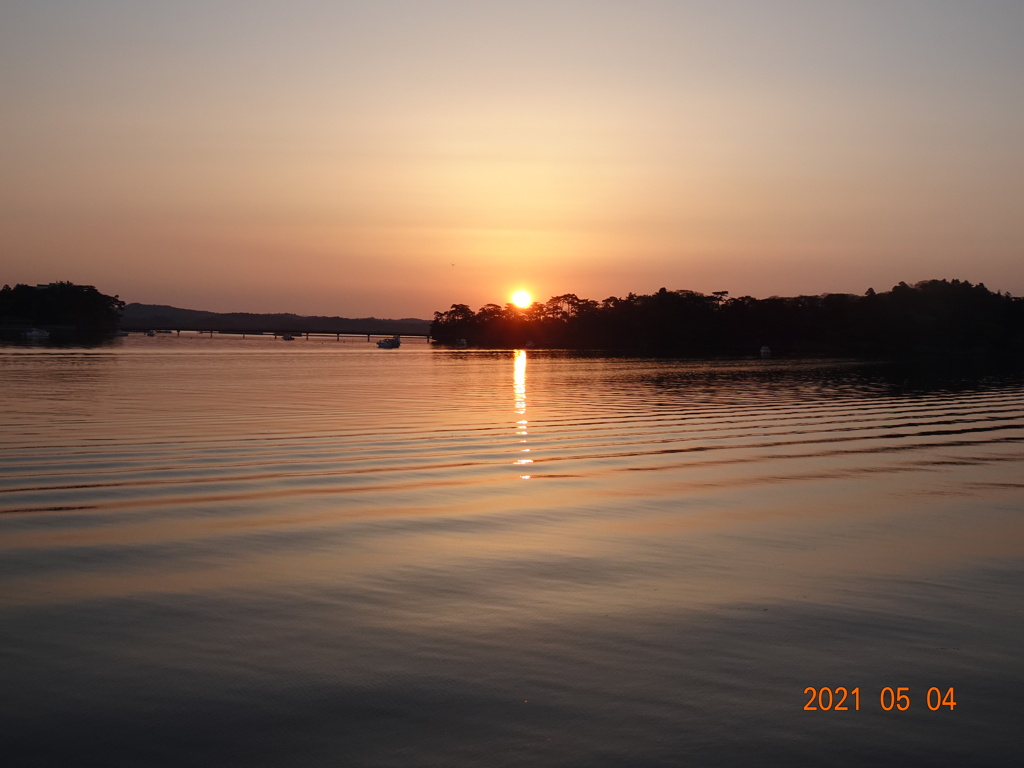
<point>63,311</point>
<point>939,316</point>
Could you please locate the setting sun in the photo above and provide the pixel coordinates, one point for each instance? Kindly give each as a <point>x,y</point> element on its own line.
<point>521,299</point>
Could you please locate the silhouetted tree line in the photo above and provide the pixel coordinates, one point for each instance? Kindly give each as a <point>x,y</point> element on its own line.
<point>69,312</point>
<point>933,315</point>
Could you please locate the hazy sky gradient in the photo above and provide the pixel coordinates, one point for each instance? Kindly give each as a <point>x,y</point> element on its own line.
<point>338,158</point>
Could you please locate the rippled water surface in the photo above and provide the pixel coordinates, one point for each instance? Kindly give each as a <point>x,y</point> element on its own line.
<point>247,552</point>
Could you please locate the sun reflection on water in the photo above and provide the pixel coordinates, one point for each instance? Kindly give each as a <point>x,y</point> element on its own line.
<point>519,389</point>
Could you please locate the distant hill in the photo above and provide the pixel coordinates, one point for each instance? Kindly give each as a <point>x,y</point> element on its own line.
<point>138,317</point>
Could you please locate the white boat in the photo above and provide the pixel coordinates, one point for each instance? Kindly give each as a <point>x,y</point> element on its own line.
<point>393,343</point>
<point>35,334</point>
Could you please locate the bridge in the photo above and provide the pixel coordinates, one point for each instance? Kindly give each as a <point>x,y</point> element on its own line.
<point>280,332</point>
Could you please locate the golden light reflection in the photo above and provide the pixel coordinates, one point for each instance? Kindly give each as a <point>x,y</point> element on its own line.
<point>519,385</point>
<point>519,391</point>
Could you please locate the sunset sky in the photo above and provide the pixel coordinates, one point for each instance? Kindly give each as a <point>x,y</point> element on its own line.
<point>390,158</point>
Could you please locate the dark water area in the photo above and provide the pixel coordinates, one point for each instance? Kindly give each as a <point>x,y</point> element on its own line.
<point>252,553</point>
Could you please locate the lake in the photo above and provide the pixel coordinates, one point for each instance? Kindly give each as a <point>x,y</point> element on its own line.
<point>225,551</point>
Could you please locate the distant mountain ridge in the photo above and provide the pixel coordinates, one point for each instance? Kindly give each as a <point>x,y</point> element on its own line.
<point>136,317</point>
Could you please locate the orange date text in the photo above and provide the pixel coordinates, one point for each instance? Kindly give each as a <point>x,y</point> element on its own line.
<point>890,698</point>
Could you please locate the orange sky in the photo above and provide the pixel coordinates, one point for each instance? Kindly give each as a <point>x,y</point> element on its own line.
<point>392,158</point>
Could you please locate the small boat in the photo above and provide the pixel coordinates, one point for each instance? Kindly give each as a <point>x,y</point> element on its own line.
<point>393,343</point>
<point>287,337</point>
<point>151,333</point>
<point>766,351</point>
<point>36,334</point>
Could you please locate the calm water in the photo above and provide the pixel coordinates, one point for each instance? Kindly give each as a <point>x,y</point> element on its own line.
<point>255,553</point>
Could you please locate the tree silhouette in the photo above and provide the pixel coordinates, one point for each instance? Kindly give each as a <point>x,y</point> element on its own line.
<point>68,311</point>
<point>930,316</point>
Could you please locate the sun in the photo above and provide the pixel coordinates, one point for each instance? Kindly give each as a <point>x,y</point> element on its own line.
<point>521,299</point>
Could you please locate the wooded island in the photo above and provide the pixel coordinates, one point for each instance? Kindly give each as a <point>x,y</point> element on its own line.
<point>63,310</point>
